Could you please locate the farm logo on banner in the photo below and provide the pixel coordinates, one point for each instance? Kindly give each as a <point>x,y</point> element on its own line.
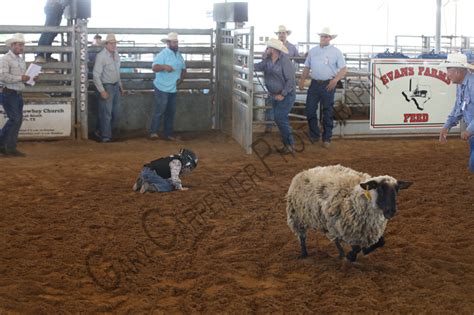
<point>410,93</point>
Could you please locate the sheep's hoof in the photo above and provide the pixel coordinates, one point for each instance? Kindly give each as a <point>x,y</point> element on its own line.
<point>371,248</point>
<point>303,256</point>
<point>351,256</point>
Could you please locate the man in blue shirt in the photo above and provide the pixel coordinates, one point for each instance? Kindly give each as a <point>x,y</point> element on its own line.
<point>279,74</point>
<point>327,67</point>
<point>463,108</point>
<point>169,68</point>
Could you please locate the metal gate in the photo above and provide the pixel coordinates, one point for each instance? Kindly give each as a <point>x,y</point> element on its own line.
<point>242,105</point>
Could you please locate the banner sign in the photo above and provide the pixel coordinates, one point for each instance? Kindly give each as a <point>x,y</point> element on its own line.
<point>410,93</point>
<point>43,120</point>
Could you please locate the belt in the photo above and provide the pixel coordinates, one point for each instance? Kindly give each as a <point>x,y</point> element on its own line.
<point>322,82</point>
<point>10,91</point>
<point>110,83</point>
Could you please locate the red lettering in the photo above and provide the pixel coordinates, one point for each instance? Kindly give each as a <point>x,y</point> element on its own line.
<point>404,72</point>
<point>415,118</point>
<point>397,74</point>
<point>420,70</point>
<point>390,75</point>
<point>427,72</point>
<point>443,77</point>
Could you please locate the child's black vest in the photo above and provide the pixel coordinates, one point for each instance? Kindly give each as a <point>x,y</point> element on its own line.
<point>162,166</point>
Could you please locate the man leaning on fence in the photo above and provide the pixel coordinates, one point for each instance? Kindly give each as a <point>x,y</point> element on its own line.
<point>106,76</point>
<point>13,78</point>
<point>327,67</point>
<point>283,34</point>
<point>279,74</point>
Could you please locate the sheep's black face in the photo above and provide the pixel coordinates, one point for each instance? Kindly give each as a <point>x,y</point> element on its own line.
<point>387,191</point>
<point>387,199</point>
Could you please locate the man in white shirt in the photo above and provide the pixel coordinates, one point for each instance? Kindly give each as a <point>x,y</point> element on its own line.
<point>12,74</point>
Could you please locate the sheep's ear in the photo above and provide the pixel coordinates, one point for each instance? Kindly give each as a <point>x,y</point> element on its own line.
<point>371,184</point>
<point>403,184</point>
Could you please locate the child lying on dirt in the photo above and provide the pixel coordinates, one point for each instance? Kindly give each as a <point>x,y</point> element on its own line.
<point>162,175</point>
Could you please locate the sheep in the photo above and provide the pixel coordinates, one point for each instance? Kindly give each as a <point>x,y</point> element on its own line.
<point>344,204</point>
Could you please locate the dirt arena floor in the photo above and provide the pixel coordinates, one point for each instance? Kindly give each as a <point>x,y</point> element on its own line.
<point>76,238</point>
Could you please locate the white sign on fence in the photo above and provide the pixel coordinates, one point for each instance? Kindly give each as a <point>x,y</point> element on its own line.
<point>43,120</point>
<point>410,93</point>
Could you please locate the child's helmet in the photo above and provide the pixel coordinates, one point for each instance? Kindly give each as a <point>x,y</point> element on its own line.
<point>188,158</point>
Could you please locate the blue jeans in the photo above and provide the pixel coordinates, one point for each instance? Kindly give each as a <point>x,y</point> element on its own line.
<point>54,14</point>
<point>109,110</point>
<point>165,106</point>
<point>269,114</point>
<point>471,153</point>
<point>281,110</point>
<point>148,175</point>
<point>318,93</point>
<point>13,106</point>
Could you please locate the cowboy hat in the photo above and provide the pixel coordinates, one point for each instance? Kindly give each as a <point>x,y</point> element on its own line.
<point>457,60</point>
<point>172,37</point>
<point>110,38</point>
<point>327,31</point>
<point>282,29</point>
<point>277,44</point>
<point>16,38</point>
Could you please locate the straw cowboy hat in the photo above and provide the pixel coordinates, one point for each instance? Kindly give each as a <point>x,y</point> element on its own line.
<point>16,38</point>
<point>457,60</point>
<point>172,37</point>
<point>110,38</point>
<point>327,31</point>
<point>282,29</point>
<point>277,44</point>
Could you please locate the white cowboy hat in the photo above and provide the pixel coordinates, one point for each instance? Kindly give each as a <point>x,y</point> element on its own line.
<point>16,38</point>
<point>277,44</point>
<point>172,37</point>
<point>282,29</point>
<point>327,31</point>
<point>457,60</point>
<point>110,38</point>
